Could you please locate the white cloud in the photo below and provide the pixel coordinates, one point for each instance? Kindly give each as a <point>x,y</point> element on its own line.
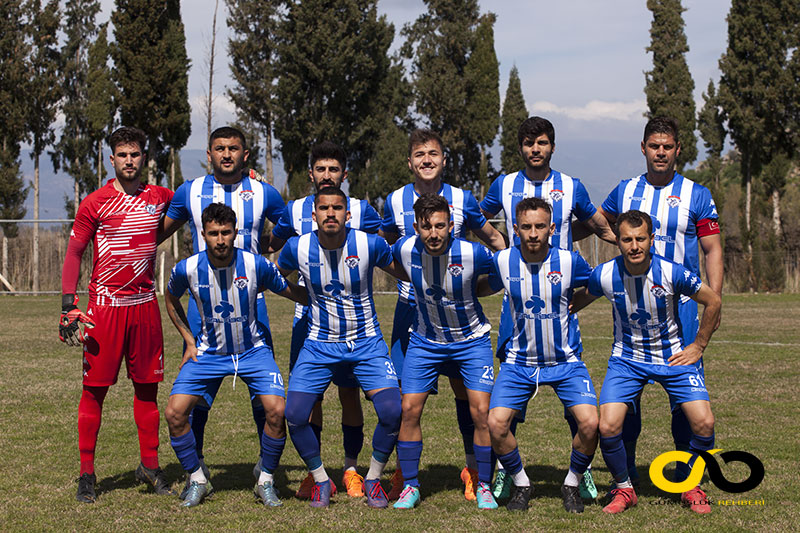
<point>595,110</point>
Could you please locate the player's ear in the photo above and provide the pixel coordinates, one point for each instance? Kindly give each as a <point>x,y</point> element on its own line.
<point>678,149</point>
<point>344,176</point>
<point>643,151</point>
<point>516,230</point>
<point>552,228</point>
<point>347,216</point>
<point>314,214</point>
<point>416,229</point>
<point>311,175</point>
<point>450,225</point>
<point>246,155</point>
<point>208,157</point>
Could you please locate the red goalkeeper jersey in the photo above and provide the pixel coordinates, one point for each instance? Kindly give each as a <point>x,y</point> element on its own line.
<point>123,228</point>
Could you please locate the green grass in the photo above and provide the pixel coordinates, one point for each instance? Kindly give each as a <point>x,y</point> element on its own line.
<point>754,388</point>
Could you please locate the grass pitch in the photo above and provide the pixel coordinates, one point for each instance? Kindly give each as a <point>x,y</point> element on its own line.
<point>752,370</point>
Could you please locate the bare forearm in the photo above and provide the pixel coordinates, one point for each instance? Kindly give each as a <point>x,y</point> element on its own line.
<point>178,318</point>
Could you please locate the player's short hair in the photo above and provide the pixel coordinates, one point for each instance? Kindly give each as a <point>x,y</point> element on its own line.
<point>661,124</point>
<point>421,136</point>
<point>635,218</point>
<point>532,204</point>
<point>532,127</point>
<point>428,204</point>
<point>327,150</point>
<point>127,135</point>
<point>220,213</point>
<point>330,191</point>
<point>227,132</point>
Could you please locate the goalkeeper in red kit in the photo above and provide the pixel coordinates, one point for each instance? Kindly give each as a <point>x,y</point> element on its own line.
<point>122,318</point>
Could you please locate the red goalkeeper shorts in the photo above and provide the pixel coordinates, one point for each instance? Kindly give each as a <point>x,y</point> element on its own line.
<point>132,332</point>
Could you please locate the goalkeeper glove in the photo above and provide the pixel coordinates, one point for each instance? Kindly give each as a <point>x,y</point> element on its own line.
<point>69,330</point>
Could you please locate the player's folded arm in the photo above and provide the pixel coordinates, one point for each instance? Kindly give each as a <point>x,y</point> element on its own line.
<point>581,299</point>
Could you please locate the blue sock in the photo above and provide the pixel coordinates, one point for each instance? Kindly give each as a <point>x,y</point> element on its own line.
<point>259,416</point>
<point>614,456</point>
<point>387,406</point>
<point>512,462</point>
<point>408,454</point>
<point>352,440</point>
<point>271,451</point>
<point>631,429</point>
<point>465,425</point>
<point>198,419</point>
<point>186,451</point>
<point>483,456</point>
<point>579,462</point>
<point>298,409</point>
<point>681,436</point>
<point>317,432</point>
<point>699,444</point>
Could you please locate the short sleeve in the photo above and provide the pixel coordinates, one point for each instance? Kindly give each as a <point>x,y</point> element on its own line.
<point>611,205</point>
<point>472,213</point>
<point>283,228</point>
<point>581,270</point>
<point>396,249</point>
<point>274,206</point>
<point>684,281</point>
<point>372,220</point>
<point>594,287</point>
<point>584,208</point>
<point>288,258</point>
<point>382,253</point>
<point>178,206</point>
<point>495,279</point>
<point>703,206</point>
<point>178,281</point>
<point>492,202</point>
<point>268,275</point>
<point>483,260</point>
<point>389,224</point>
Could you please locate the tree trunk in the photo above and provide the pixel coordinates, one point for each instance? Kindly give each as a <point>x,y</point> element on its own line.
<point>172,186</point>
<point>99,163</point>
<point>483,172</point>
<point>776,213</point>
<point>77,192</point>
<point>151,162</point>
<point>210,95</point>
<point>36,224</point>
<point>268,155</point>
<point>748,190</point>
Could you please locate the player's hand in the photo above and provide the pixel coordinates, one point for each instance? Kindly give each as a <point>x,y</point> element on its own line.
<point>69,329</point>
<point>189,353</point>
<point>688,356</point>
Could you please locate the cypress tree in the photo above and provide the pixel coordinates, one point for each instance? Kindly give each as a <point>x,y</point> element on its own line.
<point>669,86</point>
<point>102,99</point>
<point>514,113</point>
<point>712,130</point>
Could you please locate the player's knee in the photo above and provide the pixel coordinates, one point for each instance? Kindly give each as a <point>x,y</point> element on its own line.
<point>609,428</point>
<point>703,425</point>
<point>298,407</point>
<point>480,415</point>
<point>388,407</point>
<point>588,427</point>
<point>175,418</point>
<point>498,428</point>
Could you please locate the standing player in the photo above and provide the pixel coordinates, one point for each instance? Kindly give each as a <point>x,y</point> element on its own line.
<point>449,329</point>
<point>426,160</point>
<point>328,165</point>
<point>224,282</point>
<point>254,202</point>
<point>544,348</point>
<point>337,264</point>
<point>121,219</point>
<point>685,220</point>
<point>645,291</point>
<point>569,200</point>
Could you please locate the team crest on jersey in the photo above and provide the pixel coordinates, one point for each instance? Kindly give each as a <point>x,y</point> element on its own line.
<point>556,195</point>
<point>658,291</point>
<point>554,277</point>
<point>673,201</point>
<point>150,208</point>
<point>455,269</point>
<point>246,195</point>
<point>352,261</point>
<point>240,282</point>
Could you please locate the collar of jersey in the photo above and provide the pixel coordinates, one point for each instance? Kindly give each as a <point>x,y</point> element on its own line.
<point>525,175</point>
<point>670,182</point>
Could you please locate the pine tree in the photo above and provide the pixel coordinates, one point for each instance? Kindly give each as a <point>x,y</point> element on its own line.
<point>13,100</point>
<point>514,113</point>
<point>42,96</point>
<point>712,130</point>
<point>75,145</point>
<point>669,86</point>
<point>483,95</point>
<point>252,50</point>
<point>102,99</point>
<point>333,67</point>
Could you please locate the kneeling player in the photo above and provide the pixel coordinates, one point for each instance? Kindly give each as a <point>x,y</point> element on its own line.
<point>544,348</point>
<point>449,330</point>
<point>645,290</point>
<point>225,281</point>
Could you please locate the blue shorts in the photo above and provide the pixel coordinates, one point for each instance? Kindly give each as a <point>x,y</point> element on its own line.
<point>516,384</point>
<point>425,360</point>
<point>342,376</point>
<point>256,367</point>
<point>367,358</point>
<point>625,379</point>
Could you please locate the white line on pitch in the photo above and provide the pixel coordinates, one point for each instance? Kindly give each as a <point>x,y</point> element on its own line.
<point>713,341</point>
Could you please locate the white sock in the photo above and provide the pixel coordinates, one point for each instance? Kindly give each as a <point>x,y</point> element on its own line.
<point>471,462</point>
<point>264,477</point>
<point>625,484</point>
<point>198,476</point>
<point>499,466</point>
<point>521,478</point>
<point>572,479</point>
<point>375,468</point>
<point>319,474</point>
<point>350,463</point>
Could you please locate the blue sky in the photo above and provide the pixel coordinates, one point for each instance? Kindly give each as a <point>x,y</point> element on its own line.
<point>581,64</point>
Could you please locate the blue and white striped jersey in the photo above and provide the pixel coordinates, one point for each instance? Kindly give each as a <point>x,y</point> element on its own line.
<point>646,329</point>
<point>297,220</point>
<point>447,306</point>
<point>226,298</point>
<point>398,217</point>
<point>544,333</point>
<point>675,208</point>
<point>565,194</point>
<point>252,200</point>
<point>339,283</point>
